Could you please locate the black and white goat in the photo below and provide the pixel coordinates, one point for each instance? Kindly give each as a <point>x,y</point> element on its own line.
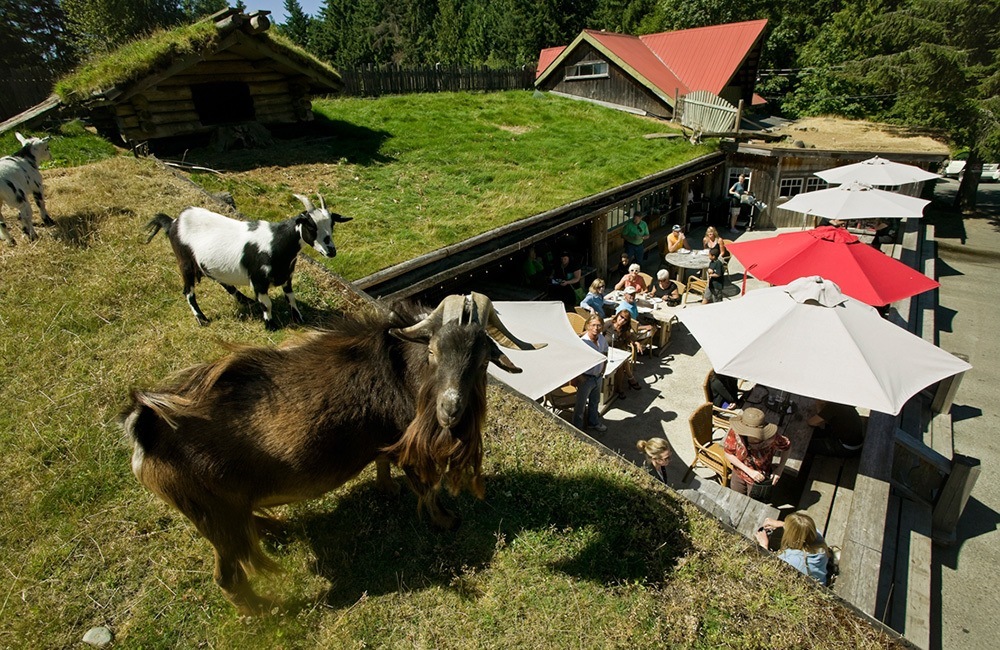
<point>19,180</point>
<point>234,253</point>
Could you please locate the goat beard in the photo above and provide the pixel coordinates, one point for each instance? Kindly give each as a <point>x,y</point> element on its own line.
<point>435,454</point>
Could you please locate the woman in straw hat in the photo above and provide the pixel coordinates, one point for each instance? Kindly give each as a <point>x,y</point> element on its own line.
<point>750,448</point>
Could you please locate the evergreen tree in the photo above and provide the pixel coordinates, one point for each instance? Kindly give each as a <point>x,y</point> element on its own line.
<point>101,25</point>
<point>33,34</point>
<point>297,25</point>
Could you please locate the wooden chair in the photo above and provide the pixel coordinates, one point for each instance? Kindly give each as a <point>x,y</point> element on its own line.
<point>695,286</point>
<point>726,256</point>
<point>647,278</point>
<point>706,452</point>
<point>576,321</point>
<point>644,337</point>
<point>562,398</point>
<point>720,416</point>
<point>583,311</point>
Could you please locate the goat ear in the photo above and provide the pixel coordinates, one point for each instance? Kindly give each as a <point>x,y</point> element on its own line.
<point>339,219</point>
<point>501,360</point>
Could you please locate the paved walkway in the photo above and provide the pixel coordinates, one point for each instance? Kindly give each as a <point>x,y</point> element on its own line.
<point>969,257</point>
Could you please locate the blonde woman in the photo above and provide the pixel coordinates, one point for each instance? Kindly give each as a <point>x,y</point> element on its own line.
<point>594,300</point>
<point>658,453</point>
<point>801,544</point>
<point>712,239</point>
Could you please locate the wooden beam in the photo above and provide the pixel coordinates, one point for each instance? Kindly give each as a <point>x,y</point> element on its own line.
<point>179,65</point>
<point>319,77</point>
<point>954,495</point>
<point>861,560</point>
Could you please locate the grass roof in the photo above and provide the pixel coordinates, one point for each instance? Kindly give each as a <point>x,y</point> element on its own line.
<point>140,58</point>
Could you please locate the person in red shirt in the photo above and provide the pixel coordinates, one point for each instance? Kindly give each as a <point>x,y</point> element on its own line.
<point>750,448</point>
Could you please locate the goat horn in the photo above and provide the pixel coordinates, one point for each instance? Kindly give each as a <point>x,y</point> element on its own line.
<point>322,203</point>
<point>487,315</point>
<point>305,201</point>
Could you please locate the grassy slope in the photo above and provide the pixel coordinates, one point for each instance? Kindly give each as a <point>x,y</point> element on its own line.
<point>419,172</point>
<point>569,549</point>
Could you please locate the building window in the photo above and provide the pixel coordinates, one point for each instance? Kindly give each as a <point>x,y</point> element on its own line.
<point>587,70</point>
<point>814,183</point>
<point>790,187</point>
<point>734,175</point>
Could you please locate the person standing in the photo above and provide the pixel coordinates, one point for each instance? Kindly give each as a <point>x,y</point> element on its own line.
<point>566,279</point>
<point>736,193</point>
<point>588,390</point>
<point>635,233</point>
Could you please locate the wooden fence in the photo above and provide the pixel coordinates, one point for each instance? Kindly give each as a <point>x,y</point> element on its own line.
<point>22,88</point>
<point>372,81</point>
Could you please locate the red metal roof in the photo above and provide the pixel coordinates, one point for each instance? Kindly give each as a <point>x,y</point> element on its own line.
<point>633,53</point>
<point>547,56</point>
<point>704,58</point>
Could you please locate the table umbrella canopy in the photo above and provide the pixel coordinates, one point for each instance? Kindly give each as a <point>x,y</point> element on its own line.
<point>861,272</point>
<point>810,339</point>
<point>855,201</point>
<point>565,356</point>
<point>876,171</point>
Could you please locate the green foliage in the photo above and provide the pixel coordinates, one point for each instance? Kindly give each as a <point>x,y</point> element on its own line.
<point>103,25</point>
<point>297,25</point>
<point>34,34</point>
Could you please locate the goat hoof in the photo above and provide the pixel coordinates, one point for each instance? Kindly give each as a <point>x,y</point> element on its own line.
<point>48,221</point>
<point>203,321</point>
<point>297,317</point>
<point>270,325</point>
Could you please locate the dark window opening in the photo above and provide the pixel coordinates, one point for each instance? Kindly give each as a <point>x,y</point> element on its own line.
<point>223,102</point>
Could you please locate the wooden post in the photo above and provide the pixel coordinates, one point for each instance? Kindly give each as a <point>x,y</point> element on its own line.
<point>677,95</point>
<point>954,495</point>
<point>739,116</point>
<point>861,556</point>
<point>946,389</point>
<point>599,243</point>
<point>685,187</point>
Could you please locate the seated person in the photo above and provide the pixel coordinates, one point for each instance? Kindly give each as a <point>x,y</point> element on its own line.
<point>622,268</point>
<point>838,430</point>
<point>801,546</point>
<point>628,304</point>
<point>664,288</point>
<point>885,233</point>
<point>724,390</point>
<point>565,279</point>
<point>532,270</point>
<point>632,279</point>
<point>676,240</point>
<point>657,451</point>
<point>750,447</point>
<point>619,334</point>
<point>712,239</point>
<point>594,300</point>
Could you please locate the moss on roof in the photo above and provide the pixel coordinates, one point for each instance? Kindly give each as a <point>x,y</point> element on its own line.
<point>138,59</point>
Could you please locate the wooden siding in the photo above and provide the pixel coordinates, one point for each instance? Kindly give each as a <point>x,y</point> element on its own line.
<point>617,88</point>
<point>168,109</point>
<point>770,166</point>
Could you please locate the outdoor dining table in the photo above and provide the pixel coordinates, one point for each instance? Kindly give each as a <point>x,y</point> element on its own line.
<point>688,260</point>
<point>791,413</point>
<point>654,308</point>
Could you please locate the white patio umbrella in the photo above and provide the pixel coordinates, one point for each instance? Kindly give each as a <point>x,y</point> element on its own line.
<point>855,201</point>
<point>810,339</point>
<point>565,356</point>
<point>876,171</point>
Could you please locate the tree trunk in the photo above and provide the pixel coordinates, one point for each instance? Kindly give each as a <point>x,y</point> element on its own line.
<point>968,189</point>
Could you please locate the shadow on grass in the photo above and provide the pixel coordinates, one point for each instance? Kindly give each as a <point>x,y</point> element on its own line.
<point>596,530</point>
<point>78,230</point>
<point>322,141</point>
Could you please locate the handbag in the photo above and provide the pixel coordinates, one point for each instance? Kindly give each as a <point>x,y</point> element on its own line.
<point>761,491</point>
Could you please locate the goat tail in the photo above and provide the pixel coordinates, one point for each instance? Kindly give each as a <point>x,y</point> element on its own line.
<point>159,221</point>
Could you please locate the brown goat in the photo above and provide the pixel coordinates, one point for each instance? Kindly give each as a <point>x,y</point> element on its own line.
<point>263,427</point>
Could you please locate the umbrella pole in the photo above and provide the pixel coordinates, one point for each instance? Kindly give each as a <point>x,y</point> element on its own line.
<point>743,290</point>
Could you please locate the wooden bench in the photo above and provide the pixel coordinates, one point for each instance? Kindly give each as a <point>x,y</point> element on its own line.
<point>828,495</point>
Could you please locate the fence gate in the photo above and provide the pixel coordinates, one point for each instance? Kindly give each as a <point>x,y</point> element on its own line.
<point>707,112</point>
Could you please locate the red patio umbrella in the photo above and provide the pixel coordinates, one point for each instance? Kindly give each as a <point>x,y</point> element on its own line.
<point>861,271</point>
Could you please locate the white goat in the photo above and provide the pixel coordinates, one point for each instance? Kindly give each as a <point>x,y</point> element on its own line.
<point>234,253</point>
<point>19,178</point>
